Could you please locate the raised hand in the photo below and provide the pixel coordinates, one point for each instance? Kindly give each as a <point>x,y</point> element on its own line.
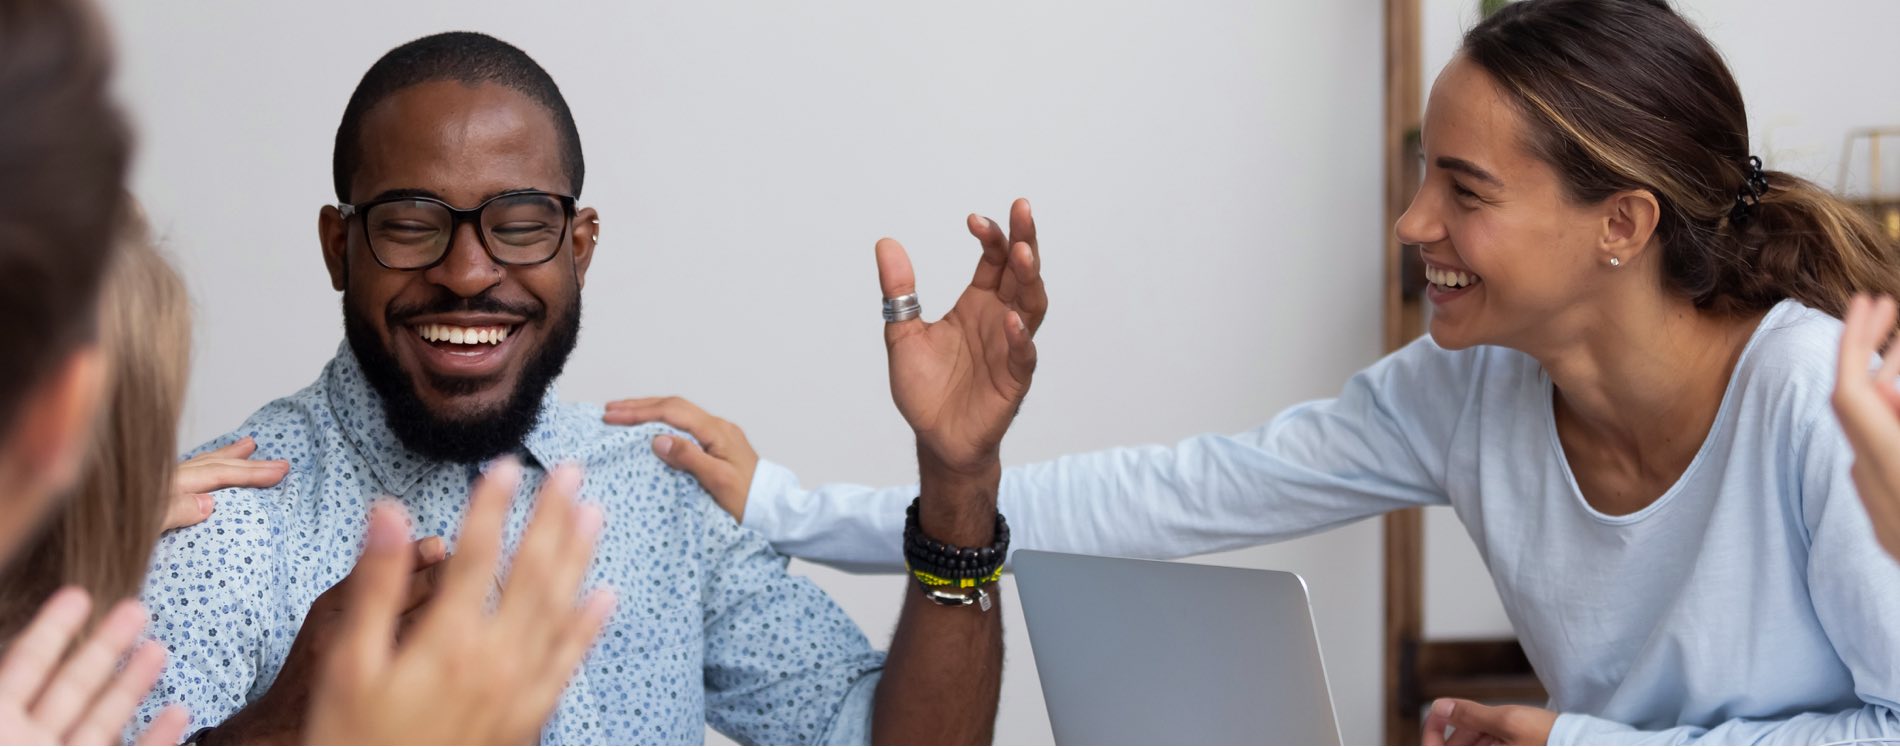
<point>1868,405</point>
<point>467,672</point>
<point>280,715</point>
<point>78,699</point>
<point>959,381</point>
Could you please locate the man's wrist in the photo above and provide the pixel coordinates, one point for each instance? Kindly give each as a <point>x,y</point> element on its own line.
<point>958,502</point>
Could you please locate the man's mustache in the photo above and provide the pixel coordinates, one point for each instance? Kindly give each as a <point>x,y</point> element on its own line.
<point>482,304</point>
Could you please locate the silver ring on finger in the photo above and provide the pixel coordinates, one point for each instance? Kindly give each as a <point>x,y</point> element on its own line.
<point>902,308</point>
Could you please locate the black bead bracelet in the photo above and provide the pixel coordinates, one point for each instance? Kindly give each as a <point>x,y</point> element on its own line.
<point>950,561</point>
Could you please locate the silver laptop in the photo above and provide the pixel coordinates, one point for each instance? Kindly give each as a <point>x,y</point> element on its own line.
<point>1146,652</point>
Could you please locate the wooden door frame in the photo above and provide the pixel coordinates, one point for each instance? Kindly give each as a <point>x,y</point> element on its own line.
<point>1418,670</point>
<point>1404,530</point>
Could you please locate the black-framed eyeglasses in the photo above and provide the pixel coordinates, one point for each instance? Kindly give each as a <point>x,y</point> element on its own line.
<point>414,233</point>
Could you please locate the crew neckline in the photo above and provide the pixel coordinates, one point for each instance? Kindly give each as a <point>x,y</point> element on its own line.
<point>1722,417</point>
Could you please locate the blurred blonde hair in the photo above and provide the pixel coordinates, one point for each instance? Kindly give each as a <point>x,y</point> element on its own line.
<point>101,538</point>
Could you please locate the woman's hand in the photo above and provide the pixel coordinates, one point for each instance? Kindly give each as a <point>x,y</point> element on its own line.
<point>723,461</point>
<point>1869,408</point>
<point>80,699</point>
<point>1474,723</point>
<point>228,467</point>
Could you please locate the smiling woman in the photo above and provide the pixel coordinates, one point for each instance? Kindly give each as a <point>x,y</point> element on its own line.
<point>1624,395</point>
<point>1732,237</point>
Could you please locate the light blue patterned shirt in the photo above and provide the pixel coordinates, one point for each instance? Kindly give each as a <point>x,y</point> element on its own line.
<point>710,628</point>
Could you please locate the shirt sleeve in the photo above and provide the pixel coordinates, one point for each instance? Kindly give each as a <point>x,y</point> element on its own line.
<point>212,598</point>
<point>1379,446</point>
<point>1806,728</point>
<point>1855,589</point>
<point>854,527</point>
<point>783,663</point>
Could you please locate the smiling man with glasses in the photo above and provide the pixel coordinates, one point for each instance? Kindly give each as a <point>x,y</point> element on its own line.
<point>461,359</point>
<point>460,253</point>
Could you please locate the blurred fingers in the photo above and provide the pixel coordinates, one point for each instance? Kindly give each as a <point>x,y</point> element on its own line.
<point>106,719</point>
<point>81,678</point>
<point>30,660</point>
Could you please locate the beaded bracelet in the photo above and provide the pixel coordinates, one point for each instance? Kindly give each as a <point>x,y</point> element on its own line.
<point>933,580</point>
<point>938,567</point>
<point>949,561</point>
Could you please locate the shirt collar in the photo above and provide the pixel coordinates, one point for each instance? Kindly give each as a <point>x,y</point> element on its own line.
<point>360,416</point>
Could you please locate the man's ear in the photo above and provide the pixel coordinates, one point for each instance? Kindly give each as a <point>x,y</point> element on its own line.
<point>585,236</point>
<point>333,234</point>
<point>1629,222</point>
<point>52,430</point>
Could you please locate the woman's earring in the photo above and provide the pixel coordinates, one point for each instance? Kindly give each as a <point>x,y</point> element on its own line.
<point>1614,262</point>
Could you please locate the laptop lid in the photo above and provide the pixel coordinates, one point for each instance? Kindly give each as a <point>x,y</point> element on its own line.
<point>1149,652</point>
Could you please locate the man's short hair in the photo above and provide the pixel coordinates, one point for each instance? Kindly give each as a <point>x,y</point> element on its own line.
<point>463,57</point>
<point>63,153</point>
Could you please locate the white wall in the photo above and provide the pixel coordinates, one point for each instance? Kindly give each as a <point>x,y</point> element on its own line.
<point>1206,175</point>
<point>1810,72</point>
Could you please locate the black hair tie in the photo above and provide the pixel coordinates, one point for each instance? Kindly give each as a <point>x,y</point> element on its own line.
<point>1754,185</point>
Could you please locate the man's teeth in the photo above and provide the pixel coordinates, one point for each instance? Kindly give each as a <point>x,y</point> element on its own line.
<point>462,335</point>
<point>1449,278</point>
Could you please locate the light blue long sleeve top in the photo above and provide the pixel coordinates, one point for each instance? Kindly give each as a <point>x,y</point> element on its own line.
<point>1749,604</point>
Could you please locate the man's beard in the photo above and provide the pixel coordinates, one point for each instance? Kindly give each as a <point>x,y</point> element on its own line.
<point>466,437</point>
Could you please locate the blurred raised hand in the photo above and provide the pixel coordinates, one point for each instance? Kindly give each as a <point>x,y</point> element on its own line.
<point>50,697</point>
<point>1868,404</point>
<point>467,671</point>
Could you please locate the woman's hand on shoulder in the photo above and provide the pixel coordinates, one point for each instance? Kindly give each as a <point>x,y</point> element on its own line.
<point>227,467</point>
